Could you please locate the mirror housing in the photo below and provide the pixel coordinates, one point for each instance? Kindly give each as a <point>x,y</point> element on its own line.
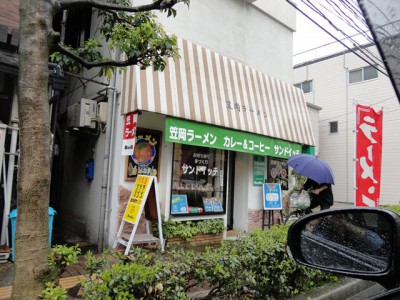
<point>358,242</point>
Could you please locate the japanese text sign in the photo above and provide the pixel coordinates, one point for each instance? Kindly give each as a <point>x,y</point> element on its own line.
<point>258,170</point>
<point>179,204</point>
<point>272,196</point>
<point>136,199</point>
<point>199,134</point>
<point>128,141</point>
<point>368,155</point>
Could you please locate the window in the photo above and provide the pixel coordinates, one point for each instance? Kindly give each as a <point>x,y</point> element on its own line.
<point>306,86</point>
<point>77,28</point>
<point>198,181</point>
<point>370,73</point>
<point>333,127</point>
<point>363,74</point>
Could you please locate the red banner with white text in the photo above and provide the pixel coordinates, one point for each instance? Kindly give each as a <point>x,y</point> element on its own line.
<point>368,155</point>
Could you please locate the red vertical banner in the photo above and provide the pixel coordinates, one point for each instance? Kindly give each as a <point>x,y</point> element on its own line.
<point>128,142</point>
<point>368,156</point>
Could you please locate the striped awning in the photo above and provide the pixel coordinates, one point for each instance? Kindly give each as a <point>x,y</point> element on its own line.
<point>207,87</point>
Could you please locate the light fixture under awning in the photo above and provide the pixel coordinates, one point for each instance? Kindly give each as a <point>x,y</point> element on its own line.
<point>207,87</point>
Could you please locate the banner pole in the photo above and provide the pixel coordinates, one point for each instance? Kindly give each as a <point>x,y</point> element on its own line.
<point>355,154</point>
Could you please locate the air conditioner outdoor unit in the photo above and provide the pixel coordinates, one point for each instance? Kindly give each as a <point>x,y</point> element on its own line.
<point>82,114</point>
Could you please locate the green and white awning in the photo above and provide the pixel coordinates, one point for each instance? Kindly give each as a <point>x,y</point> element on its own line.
<point>207,87</point>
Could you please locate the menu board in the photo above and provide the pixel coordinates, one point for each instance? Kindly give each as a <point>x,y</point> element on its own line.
<point>278,172</point>
<point>272,196</point>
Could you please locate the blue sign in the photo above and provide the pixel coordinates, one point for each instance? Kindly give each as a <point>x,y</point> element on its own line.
<point>208,204</point>
<point>179,204</point>
<point>217,204</point>
<point>272,196</point>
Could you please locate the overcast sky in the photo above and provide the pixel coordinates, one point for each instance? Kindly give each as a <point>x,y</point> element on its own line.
<point>310,37</point>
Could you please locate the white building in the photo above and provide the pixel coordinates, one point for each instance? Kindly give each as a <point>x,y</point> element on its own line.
<point>337,83</point>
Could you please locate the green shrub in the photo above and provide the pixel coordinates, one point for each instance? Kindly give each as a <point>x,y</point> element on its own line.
<point>188,229</point>
<point>53,292</point>
<point>256,266</point>
<point>58,259</point>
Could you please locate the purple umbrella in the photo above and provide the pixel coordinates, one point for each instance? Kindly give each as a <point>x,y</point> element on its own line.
<point>312,167</point>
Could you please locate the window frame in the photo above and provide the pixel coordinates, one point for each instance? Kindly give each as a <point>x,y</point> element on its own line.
<point>221,190</point>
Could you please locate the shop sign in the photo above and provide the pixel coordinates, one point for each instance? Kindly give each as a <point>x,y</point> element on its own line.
<point>368,156</point>
<point>145,159</point>
<point>205,135</point>
<point>272,196</point>
<point>258,170</point>
<point>139,192</point>
<point>128,142</point>
<point>278,172</point>
<point>144,196</point>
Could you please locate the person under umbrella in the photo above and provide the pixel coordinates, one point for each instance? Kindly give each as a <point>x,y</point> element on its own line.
<point>320,194</point>
<point>319,179</point>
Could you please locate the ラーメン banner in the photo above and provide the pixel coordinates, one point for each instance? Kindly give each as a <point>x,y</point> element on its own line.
<point>368,156</point>
<point>199,134</point>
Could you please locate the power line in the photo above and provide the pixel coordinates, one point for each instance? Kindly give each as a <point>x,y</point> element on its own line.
<point>370,104</point>
<point>373,61</point>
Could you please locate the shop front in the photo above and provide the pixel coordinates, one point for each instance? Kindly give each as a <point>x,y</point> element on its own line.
<point>217,126</point>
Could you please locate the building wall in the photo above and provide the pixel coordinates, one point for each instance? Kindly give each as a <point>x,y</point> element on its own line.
<point>313,111</point>
<point>337,98</point>
<point>259,35</point>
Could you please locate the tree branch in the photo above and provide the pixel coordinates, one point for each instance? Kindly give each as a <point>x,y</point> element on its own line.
<point>89,65</point>
<point>159,4</point>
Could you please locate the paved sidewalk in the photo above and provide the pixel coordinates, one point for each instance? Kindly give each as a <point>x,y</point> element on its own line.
<point>68,279</point>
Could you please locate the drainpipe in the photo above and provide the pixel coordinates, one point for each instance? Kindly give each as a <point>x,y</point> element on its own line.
<point>106,179</point>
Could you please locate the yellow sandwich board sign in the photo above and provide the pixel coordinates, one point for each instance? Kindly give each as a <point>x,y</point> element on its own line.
<point>134,210</point>
<point>142,186</point>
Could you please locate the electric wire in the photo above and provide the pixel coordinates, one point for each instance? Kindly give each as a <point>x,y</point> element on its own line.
<point>369,57</point>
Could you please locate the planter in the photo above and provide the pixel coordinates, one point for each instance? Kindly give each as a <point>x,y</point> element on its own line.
<point>199,239</point>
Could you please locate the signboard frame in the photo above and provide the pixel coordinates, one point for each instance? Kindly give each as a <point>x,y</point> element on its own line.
<point>134,210</point>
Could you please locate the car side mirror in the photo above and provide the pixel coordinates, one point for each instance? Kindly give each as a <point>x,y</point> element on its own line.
<point>359,242</point>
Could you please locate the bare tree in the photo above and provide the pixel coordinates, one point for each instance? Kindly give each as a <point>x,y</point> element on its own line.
<point>132,30</point>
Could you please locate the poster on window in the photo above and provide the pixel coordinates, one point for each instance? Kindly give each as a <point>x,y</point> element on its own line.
<point>272,197</point>
<point>145,159</point>
<point>278,172</point>
<point>179,204</point>
<point>368,155</point>
<point>208,204</point>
